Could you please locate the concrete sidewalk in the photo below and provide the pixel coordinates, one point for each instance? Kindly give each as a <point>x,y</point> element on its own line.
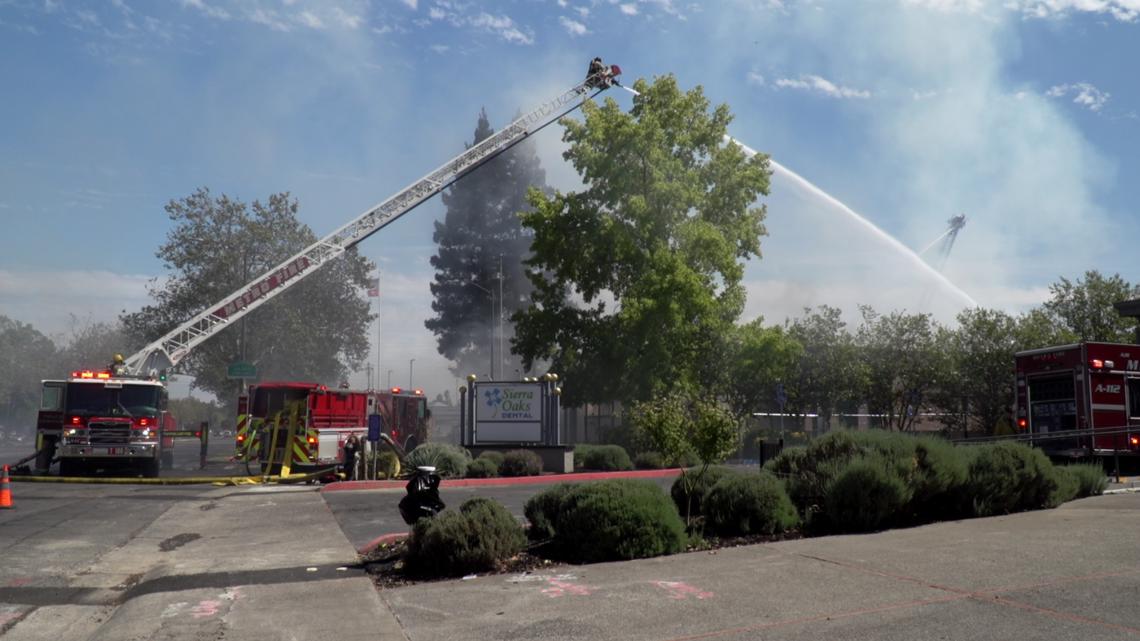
<point>240,564</point>
<point>1068,573</point>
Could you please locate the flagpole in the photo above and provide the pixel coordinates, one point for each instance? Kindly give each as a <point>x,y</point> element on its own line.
<point>380,325</point>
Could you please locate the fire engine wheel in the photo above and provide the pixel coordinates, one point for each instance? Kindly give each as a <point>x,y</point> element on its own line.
<point>69,467</point>
<point>149,469</point>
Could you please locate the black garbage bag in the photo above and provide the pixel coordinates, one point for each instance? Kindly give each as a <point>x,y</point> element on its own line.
<point>423,498</point>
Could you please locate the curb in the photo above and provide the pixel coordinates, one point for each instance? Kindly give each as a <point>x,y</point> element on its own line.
<point>346,486</point>
<point>382,540</point>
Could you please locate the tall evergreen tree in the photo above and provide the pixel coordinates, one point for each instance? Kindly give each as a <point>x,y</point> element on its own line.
<point>482,225</point>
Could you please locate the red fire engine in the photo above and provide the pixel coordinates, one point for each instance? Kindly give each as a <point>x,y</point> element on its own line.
<point>99,419</point>
<point>327,418</point>
<point>1082,399</point>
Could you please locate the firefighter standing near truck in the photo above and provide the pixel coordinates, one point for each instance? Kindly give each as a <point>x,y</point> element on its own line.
<point>351,447</point>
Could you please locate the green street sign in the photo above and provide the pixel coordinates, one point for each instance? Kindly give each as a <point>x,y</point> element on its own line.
<point>241,370</point>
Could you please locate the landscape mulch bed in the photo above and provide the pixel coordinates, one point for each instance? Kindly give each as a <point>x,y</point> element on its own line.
<point>385,566</point>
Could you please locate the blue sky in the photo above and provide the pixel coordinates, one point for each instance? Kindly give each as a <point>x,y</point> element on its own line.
<point>1023,114</point>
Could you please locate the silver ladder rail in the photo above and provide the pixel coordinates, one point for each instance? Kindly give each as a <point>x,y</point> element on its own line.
<point>168,351</point>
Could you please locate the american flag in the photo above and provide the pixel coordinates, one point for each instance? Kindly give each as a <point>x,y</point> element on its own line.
<point>373,287</point>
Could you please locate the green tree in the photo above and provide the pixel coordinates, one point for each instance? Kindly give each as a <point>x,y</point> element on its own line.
<point>760,358</point>
<point>480,231</point>
<point>191,412</point>
<point>976,388</point>
<point>93,345</point>
<point>318,330</point>
<point>829,373</point>
<point>902,361</point>
<point>1084,308</point>
<point>1036,329</point>
<point>637,274</point>
<point>676,425</point>
<point>27,356</point>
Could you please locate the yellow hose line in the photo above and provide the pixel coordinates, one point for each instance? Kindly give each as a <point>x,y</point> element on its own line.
<point>196,480</point>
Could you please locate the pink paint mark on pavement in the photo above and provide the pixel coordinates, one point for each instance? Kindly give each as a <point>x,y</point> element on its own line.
<point>559,588</point>
<point>207,608</point>
<point>19,581</point>
<point>681,591</point>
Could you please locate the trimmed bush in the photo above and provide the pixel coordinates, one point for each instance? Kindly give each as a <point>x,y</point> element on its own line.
<point>606,458</point>
<point>521,463</point>
<point>617,520</point>
<point>1067,486</point>
<point>865,495</point>
<point>542,510</point>
<point>492,455</point>
<point>581,451</point>
<point>447,459</point>
<point>649,461</point>
<point>482,468</point>
<point>1010,477</point>
<point>688,459</point>
<point>690,488</point>
<point>388,465</point>
<point>1091,480</point>
<point>751,503</point>
<point>477,538</point>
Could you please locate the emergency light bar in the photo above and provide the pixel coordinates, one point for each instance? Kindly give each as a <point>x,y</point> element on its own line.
<point>1097,363</point>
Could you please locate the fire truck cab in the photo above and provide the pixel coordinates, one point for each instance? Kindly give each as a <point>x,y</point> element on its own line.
<point>100,419</point>
<point>1088,392</point>
<point>326,417</point>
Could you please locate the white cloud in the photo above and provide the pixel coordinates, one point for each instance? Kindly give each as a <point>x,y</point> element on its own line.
<point>440,49</point>
<point>347,20</point>
<point>821,85</point>
<point>1123,10</point>
<point>562,3</point>
<point>1084,94</point>
<point>269,19</point>
<point>412,4</point>
<point>50,300</point>
<point>573,27</point>
<point>435,13</point>
<point>210,11</point>
<point>628,9</point>
<point>308,19</point>
<point>754,78</point>
<point>503,26</point>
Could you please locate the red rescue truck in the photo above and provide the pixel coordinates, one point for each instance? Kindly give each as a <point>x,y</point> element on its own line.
<point>327,417</point>
<point>1080,400</point>
<point>99,419</point>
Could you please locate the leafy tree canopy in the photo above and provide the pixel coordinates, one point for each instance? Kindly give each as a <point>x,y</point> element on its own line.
<point>316,331</point>
<point>637,274</point>
<point>1084,308</point>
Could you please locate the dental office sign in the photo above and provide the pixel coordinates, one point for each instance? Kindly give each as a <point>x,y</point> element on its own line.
<point>508,412</point>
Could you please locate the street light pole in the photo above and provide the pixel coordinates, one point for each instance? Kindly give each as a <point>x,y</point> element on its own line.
<point>502,355</point>
<point>389,378</point>
<point>411,379</point>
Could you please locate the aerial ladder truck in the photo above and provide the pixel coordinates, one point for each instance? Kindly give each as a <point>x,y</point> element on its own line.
<point>156,359</point>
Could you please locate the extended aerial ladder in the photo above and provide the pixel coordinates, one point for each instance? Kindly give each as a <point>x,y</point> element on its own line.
<point>168,351</point>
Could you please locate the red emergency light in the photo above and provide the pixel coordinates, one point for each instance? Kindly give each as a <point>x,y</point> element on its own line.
<point>144,422</point>
<point>1134,440</point>
<point>89,374</point>
<point>312,440</point>
<point>1022,423</point>
<point>419,392</point>
<point>241,438</point>
<point>1097,363</point>
<point>75,420</point>
<point>396,390</point>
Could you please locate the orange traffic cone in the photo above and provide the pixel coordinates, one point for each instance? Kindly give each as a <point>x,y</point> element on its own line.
<point>5,490</point>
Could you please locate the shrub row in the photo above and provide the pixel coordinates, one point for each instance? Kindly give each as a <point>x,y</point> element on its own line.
<point>860,481</point>
<point>605,458</point>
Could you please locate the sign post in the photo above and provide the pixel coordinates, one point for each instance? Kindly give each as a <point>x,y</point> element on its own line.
<point>375,425</point>
<point>781,401</point>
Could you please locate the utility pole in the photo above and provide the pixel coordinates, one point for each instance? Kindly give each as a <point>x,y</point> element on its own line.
<point>502,355</point>
<point>411,378</point>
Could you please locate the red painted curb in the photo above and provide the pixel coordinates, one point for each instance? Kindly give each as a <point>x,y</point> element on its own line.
<point>344,486</point>
<point>381,540</point>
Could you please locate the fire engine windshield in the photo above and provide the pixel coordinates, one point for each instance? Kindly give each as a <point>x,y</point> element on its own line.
<point>93,399</point>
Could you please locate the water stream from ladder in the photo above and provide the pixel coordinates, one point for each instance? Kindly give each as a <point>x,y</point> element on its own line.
<point>833,203</point>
